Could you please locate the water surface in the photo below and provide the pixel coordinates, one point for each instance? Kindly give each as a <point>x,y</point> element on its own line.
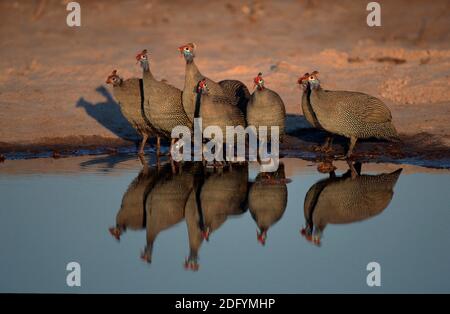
<point>73,209</point>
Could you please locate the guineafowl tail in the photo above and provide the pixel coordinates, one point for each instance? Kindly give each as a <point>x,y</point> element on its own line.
<point>390,179</point>
<point>398,171</point>
<point>389,132</point>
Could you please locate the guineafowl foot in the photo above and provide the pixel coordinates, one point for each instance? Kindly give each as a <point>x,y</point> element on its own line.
<point>326,167</point>
<point>327,147</point>
<point>146,257</point>
<point>116,232</point>
<point>323,151</point>
<point>354,172</point>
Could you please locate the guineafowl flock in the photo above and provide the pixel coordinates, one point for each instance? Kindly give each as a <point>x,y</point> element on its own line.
<point>155,107</point>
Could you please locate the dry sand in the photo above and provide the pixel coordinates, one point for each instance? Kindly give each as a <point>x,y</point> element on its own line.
<point>52,91</point>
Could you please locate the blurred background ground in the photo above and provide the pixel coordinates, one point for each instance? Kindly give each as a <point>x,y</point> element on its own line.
<point>52,76</point>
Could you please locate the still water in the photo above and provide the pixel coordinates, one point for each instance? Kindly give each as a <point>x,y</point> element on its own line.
<point>222,231</point>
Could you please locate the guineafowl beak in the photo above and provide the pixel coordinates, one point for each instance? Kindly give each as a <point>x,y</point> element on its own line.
<point>191,264</point>
<point>186,53</point>
<point>205,234</point>
<point>261,237</point>
<point>115,232</point>
<point>311,236</point>
<point>146,255</point>
<point>306,233</point>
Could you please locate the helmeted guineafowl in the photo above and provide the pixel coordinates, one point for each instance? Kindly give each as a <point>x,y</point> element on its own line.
<point>267,201</point>
<point>128,94</point>
<point>165,204</point>
<point>236,91</point>
<point>163,105</point>
<point>346,199</point>
<point>223,195</point>
<point>266,108</point>
<point>351,114</point>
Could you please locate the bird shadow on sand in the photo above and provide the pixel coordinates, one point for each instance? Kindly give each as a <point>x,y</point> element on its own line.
<point>108,114</point>
<point>297,126</point>
<point>109,162</point>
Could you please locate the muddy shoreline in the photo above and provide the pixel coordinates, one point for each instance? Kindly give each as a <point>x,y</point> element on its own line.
<point>420,149</point>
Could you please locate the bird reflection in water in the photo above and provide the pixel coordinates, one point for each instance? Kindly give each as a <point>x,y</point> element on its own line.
<point>345,199</point>
<point>267,200</point>
<point>158,199</point>
<point>131,214</point>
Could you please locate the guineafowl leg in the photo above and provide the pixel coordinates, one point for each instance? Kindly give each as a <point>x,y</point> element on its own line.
<point>351,147</point>
<point>144,164</point>
<point>144,140</point>
<point>158,146</point>
<point>353,171</point>
<point>328,145</point>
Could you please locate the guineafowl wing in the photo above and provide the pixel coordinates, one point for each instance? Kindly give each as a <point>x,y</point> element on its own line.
<point>237,91</point>
<point>366,108</point>
<point>133,87</point>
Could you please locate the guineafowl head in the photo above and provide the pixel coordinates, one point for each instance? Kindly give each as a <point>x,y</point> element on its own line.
<point>312,234</point>
<point>146,255</point>
<point>187,51</point>
<point>261,235</point>
<point>116,232</point>
<point>303,81</point>
<point>114,79</point>
<point>142,58</point>
<point>202,87</point>
<point>258,82</point>
<point>313,80</point>
<point>191,263</point>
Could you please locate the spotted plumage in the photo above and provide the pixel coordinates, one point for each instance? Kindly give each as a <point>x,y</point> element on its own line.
<point>216,110</point>
<point>163,105</point>
<point>132,212</point>
<point>223,195</point>
<point>236,91</point>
